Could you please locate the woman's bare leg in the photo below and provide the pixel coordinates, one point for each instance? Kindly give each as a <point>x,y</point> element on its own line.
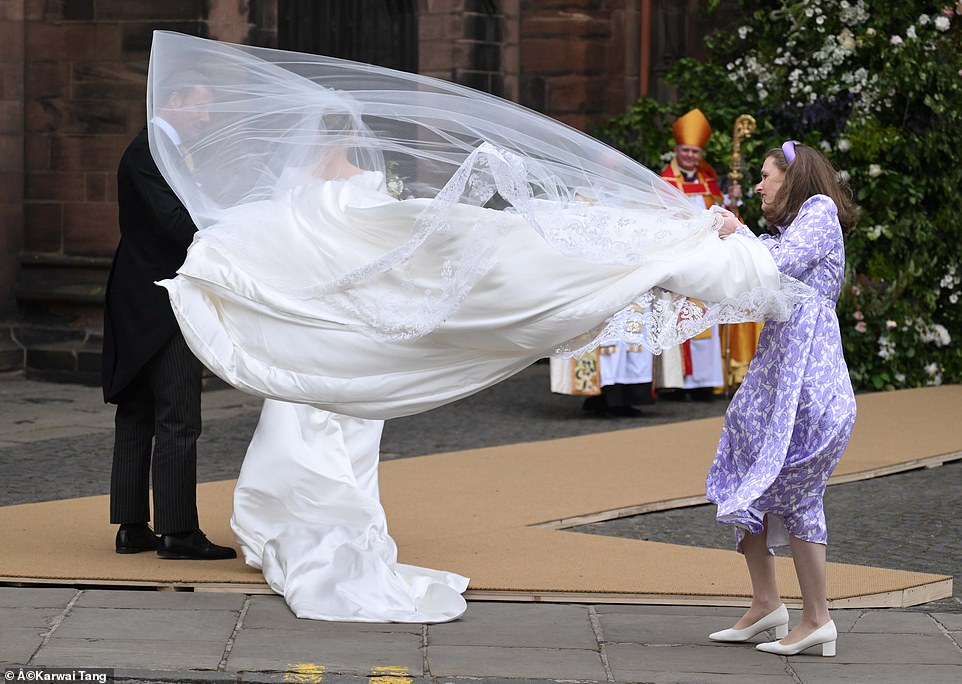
<point>810,567</point>
<point>761,570</point>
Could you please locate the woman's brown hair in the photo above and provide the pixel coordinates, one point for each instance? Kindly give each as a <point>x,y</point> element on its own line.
<point>810,173</point>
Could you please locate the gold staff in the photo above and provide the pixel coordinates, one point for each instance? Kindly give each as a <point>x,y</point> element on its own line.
<point>744,127</point>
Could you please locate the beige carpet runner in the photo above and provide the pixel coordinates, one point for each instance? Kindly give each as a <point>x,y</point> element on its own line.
<point>493,514</point>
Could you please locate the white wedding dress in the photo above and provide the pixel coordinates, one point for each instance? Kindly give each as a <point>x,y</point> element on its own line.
<point>306,507</point>
<point>308,514</point>
<point>246,303</point>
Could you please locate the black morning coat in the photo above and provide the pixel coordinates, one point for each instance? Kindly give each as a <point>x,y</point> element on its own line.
<point>155,232</point>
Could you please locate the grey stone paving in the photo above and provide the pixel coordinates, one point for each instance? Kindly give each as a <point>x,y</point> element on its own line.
<point>55,443</point>
<point>149,639</point>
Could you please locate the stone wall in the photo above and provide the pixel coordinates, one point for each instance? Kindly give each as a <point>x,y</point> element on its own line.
<point>471,42</point>
<point>575,60</point>
<point>579,60</point>
<point>11,150</point>
<point>84,70</point>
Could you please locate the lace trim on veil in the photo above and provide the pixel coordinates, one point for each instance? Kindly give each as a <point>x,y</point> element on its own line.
<point>660,319</point>
<point>657,319</point>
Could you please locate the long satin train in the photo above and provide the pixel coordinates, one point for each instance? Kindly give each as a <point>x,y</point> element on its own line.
<point>307,512</point>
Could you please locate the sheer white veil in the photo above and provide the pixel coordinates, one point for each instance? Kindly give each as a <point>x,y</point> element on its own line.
<point>271,113</point>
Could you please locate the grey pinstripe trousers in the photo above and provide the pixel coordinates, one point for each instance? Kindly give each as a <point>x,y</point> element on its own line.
<point>156,429</point>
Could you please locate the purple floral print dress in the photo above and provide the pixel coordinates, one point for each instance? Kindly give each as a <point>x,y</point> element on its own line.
<point>792,417</point>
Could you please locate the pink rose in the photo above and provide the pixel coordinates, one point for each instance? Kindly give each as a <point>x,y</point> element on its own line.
<point>858,315</point>
<point>860,327</point>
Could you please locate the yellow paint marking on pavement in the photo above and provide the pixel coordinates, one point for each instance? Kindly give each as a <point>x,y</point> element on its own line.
<point>390,675</point>
<point>304,673</point>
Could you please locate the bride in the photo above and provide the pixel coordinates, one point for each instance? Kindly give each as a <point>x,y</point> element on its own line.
<point>375,244</point>
<point>307,509</point>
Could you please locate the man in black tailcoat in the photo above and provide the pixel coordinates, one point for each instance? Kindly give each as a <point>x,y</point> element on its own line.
<point>148,370</point>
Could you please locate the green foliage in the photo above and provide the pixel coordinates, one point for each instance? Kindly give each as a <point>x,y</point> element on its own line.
<point>878,87</point>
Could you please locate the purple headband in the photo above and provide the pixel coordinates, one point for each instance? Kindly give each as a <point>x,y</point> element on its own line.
<point>788,149</point>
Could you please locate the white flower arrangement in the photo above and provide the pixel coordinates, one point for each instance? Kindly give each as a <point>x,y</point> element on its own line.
<point>395,183</point>
<point>886,347</point>
<point>934,333</point>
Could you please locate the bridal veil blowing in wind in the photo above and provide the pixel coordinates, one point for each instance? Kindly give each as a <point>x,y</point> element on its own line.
<point>375,244</point>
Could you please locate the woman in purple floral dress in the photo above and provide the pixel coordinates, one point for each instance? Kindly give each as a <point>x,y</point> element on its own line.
<point>791,419</point>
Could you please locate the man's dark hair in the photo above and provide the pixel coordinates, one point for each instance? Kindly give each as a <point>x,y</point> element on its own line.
<point>180,83</point>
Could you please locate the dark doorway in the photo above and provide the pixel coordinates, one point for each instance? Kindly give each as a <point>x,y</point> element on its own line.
<point>381,32</point>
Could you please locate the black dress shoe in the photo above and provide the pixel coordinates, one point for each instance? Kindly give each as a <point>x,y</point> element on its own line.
<point>135,538</point>
<point>192,546</point>
<point>596,404</point>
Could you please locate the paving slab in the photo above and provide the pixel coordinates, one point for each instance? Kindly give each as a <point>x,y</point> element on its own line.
<point>277,650</point>
<point>161,600</point>
<point>627,660</point>
<point>148,625</point>
<point>500,661</point>
<point>122,674</point>
<point>889,622</point>
<point>665,630</point>
<point>845,620</point>
<point>709,678</point>
<point>897,649</point>
<point>32,597</point>
<point>495,680</point>
<point>317,677</point>
<point>186,654</point>
<point>834,673</point>
<point>18,644</point>
<point>951,621</point>
<point>42,618</point>
<point>270,612</point>
<point>707,611</point>
<point>514,624</point>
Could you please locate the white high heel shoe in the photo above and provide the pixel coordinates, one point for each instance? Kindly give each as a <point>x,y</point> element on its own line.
<point>778,619</point>
<point>825,636</point>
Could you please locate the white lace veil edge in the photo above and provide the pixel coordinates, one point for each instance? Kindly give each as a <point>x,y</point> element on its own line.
<point>660,319</point>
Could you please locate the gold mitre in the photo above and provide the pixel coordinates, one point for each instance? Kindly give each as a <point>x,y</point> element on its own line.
<point>692,129</point>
